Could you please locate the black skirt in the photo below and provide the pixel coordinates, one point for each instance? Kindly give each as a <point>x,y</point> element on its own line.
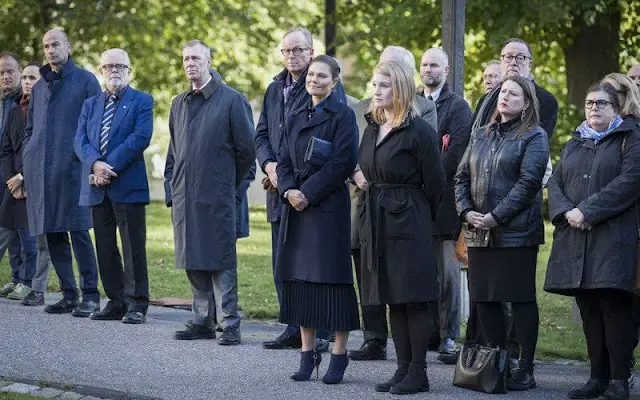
<point>503,274</point>
<point>333,307</point>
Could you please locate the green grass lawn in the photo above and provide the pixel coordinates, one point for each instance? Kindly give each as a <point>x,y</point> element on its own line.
<point>559,336</point>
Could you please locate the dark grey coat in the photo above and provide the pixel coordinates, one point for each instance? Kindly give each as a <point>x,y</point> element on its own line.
<point>210,154</point>
<point>603,182</point>
<point>52,171</point>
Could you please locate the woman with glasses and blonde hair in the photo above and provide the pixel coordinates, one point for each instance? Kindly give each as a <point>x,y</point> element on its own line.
<point>400,159</point>
<point>592,203</point>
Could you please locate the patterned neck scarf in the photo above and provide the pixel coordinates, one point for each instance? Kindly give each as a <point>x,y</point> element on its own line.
<point>588,132</point>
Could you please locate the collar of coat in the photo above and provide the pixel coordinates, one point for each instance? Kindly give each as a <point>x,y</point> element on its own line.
<point>331,104</point>
<point>207,91</point>
<point>282,77</point>
<point>445,93</point>
<point>629,124</point>
<point>49,74</point>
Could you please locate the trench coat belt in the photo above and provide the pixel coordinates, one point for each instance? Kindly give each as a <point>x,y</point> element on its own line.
<point>373,261</point>
<point>300,175</point>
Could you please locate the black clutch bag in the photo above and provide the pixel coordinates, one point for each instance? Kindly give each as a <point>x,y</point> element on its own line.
<point>482,369</point>
<point>318,151</point>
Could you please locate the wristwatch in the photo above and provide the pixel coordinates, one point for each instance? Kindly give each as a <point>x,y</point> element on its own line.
<point>286,195</point>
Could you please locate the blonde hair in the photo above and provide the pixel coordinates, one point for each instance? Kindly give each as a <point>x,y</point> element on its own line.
<point>628,94</point>
<point>403,89</point>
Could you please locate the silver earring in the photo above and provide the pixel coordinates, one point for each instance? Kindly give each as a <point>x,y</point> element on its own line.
<point>523,113</point>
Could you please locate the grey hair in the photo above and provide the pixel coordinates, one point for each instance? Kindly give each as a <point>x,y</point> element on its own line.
<point>197,42</point>
<point>305,32</point>
<point>492,62</point>
<point>119,52</point>
<point>400,55</point>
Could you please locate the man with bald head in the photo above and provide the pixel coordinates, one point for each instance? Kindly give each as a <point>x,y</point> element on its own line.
<point>114,129</point>
<point>374,318</point>
<point>454,127</point>
<point>53,173</point>
<point>634,74</point>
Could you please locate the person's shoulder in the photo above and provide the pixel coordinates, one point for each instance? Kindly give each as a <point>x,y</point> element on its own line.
<point>231,93</point>
<point>544,95</point>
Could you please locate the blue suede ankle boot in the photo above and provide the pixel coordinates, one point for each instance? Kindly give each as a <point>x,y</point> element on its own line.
<point>337,366</point>
<point>308,361</point>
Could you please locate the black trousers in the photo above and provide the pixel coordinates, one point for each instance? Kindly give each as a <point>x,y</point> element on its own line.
<point>374,318</point>
<point>129,286</point>
<point>607,320</point>
<point>636,321</point>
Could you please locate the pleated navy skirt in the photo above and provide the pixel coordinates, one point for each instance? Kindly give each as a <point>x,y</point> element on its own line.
<point>333,307</point>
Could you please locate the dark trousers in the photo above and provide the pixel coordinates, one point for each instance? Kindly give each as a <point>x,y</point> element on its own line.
<point>607,320</point>
<point>60,252</point>
<point>10,242</point>
<point>374,318</point>
<point>636,321</point>
<point>128,286</point>
<point>291,329</point>
<point>493,323</point>
<point>28,255</point>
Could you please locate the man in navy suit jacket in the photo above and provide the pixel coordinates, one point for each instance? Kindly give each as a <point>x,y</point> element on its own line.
<point>113,130</point>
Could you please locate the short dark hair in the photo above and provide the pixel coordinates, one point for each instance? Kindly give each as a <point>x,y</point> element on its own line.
<point>331,62</point>
<point>6,54</point>
<point>531,117</point>
<point>518,40</point>
<point>608,89</point>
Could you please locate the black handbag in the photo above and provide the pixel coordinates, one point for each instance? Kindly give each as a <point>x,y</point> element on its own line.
<point>482,369</point>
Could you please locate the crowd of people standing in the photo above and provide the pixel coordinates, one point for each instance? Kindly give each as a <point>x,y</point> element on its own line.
<point>390,184</point>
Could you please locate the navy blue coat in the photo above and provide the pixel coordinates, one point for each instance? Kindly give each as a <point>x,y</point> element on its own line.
<point>52,171</point>
<point>8,104</point>
<point>315,244</point>
<point>271,125</point>
<point>242,204</point>
<point>131,131</point>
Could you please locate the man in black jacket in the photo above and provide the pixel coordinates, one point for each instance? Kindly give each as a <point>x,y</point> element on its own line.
<point>516,59</point>
<point>454,125</point>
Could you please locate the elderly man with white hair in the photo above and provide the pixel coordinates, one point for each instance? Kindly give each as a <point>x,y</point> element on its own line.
<point>375,317</point>
<point>114,129</point>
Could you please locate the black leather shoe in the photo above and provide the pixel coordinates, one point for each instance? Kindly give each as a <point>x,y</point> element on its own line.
<point>522,377</point>
<point>370,350</point>
<point>397,377</point>
<point>134,317</point>
<point>230,336</point>
<point>33,299</point>
<point>287,340</point>
<point>415,381</point>
<point>85,308</point>
<point>195,331</point>
<point>322,345</point>
<point>592,389</point>
<point>618,390</point>
<point>64,306</point>
<point>449,358</point>
<point>111,312</point>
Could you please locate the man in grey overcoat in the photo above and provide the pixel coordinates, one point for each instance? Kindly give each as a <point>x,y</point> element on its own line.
<point>210,153</point>
<point>53,173</point>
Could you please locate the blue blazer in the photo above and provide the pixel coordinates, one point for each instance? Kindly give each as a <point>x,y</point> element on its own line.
<point>130,135</point>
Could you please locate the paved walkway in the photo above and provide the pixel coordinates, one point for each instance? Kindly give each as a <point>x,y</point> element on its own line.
<point>143,361</point>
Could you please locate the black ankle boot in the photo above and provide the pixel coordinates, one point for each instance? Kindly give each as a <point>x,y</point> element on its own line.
<point>618,390</point>
<point>398,376</point>
<point>337,365</point>
<point>522,377</point>
<point>590,390</point>
<point>308,361</point>
<point>414,382</point>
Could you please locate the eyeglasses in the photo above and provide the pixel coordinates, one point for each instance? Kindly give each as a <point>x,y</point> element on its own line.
<point>296,51</point>
<point>117,67</point>
<point>600,104</point>
<point>520,58</point>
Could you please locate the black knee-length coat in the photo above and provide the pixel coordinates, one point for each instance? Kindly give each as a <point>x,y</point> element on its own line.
<point>315,244</point>
<point>406,181</point>
<point>603,181</point>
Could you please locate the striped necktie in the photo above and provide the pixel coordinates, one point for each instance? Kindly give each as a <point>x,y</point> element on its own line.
<point>105,126</point>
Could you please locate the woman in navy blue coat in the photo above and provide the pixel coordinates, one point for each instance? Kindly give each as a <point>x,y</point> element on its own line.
<point>313,260</point>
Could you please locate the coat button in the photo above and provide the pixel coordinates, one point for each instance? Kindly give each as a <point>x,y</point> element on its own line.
<point>585,176</point>
<point>280,126</point>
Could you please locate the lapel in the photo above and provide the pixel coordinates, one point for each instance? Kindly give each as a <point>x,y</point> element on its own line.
<point>96,119</point>
<point>124,105</point>
<point>329,108</point>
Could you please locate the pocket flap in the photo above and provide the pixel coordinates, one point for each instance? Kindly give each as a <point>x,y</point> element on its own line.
<point>395,207</point>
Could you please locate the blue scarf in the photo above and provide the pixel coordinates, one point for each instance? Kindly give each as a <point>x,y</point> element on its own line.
<point>588,132</point>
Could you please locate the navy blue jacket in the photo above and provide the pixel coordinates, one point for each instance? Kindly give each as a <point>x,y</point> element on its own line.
<point>272,125</point>
<point>315,244</point>
<point>130,135</point>
<point>52,171</point>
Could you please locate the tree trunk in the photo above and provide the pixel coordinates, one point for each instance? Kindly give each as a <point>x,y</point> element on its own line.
<point>592,52</point>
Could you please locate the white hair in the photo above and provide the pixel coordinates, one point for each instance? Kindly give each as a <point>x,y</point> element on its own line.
<point>400,55</point>
<point>118,52</point>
